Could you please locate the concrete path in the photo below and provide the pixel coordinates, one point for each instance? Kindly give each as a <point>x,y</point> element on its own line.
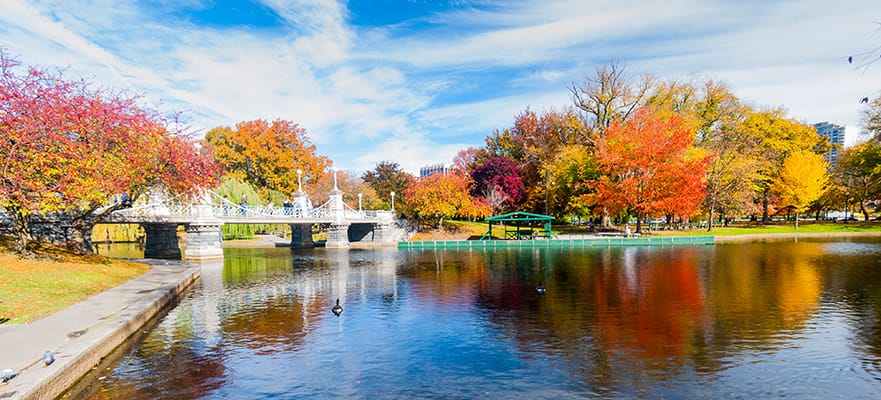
<point>81,335</point>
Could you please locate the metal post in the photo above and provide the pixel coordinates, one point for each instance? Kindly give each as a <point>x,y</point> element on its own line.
<point>299,181</point>
<point>359,202</point>
<point>393,201</point>
<point>547,191</point>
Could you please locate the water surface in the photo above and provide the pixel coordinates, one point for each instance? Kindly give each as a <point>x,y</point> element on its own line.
<point>798,319</point>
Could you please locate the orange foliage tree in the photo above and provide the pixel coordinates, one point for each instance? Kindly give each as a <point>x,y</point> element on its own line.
<point>649,165</point>
<point>267,155</point>
<point>439,196</point>
<point>68,148</point>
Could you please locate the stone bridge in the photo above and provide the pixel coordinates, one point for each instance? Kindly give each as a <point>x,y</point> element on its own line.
<point>203,219</point>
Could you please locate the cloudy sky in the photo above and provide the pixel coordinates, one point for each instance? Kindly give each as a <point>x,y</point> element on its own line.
<point>414,81</point>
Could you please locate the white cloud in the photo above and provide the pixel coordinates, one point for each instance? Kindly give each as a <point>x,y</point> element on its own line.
<point>418,96</point>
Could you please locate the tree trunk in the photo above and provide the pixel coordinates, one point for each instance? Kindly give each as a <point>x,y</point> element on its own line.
<point>20,229</point>
<point>712,211</point>
<point>863,209</point>
<point>638,222</point>
<point>765,198</point>
<point>81,235</point>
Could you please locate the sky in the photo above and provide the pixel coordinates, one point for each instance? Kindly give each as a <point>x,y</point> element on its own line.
<point>415,81</point>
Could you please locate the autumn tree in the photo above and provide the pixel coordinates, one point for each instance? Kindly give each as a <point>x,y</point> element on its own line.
<point>570,167</point>
<point>533,141</point>
<point>267,154</point>
<point>439,196</point>
<point>72,149</point>
<point>778,137</point>
<point>388,177</point>
<point>498,181</point>
<point>649,165</point>
<point>733,171</point>
<point>858,171</point>
<point>801,180</point>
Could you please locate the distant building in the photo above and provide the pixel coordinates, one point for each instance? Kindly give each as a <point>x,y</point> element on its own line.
<point>433,169</point>
<point>835,135</point>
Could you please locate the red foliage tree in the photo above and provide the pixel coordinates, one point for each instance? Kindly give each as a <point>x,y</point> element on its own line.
<point>72,149</point>
<point>649,166</point>
<point>498,177</point>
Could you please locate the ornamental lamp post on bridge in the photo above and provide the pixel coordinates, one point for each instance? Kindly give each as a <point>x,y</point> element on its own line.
<point>299,180</point>
<point>393,200</point>
<point>359,203</point>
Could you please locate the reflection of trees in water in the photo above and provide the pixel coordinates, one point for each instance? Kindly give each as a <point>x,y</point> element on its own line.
<point>763,294</point>
<point>190,367</point>
<point>856,281</point>
<point>631,314</point>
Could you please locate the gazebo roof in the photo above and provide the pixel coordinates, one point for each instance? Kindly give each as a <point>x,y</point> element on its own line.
<point>519,216</point>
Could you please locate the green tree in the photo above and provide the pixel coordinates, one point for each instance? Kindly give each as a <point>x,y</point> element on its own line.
<point>858,170</point>
<point>388,177</point>
<point>801,180</point>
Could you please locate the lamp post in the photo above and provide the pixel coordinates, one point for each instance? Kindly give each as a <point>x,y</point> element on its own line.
<point>299,180</point>
<point>359,202</point>
<point>547,192</point>
<point>393,201</point>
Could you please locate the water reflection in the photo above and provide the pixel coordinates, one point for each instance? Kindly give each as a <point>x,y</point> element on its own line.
<point>799,319</point>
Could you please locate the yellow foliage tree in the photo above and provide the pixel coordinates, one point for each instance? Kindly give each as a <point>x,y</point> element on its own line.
<point>801,180</point>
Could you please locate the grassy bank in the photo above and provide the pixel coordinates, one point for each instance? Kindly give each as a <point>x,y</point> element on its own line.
<point>803,227</point>
<point>461,230</point>
<point>36,287</point>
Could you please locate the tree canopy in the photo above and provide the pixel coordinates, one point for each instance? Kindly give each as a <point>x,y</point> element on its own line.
<point>267,154</point>
<point>68,147</point>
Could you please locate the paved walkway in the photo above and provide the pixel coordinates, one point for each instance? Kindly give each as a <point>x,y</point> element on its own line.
<point>82,334</point>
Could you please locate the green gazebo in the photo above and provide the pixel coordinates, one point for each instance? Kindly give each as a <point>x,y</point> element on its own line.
<point>523,224</point>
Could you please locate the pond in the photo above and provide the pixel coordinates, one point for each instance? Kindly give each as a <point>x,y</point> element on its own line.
<point>799,319</point>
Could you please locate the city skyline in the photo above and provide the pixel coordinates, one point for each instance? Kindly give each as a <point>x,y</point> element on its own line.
<point>414,82</point>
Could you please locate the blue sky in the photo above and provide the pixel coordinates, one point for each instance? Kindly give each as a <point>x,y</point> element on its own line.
<point>416,81</point>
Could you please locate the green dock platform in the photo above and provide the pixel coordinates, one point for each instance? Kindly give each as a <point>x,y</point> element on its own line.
<point>556,243</point>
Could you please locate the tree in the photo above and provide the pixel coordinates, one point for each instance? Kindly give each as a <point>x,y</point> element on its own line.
<point>732,171</point>
<point>649,165</point>
<point>68,148</point>
<point>858,171</point>
<point>497,178</point>
<point>801,180</point>
<point>571,166</point>
<point>778,138</point>
<point>608,96</point>
<point>870,118</point>
<point>388,177</point>
<point>266,155</point>
<point>436,197</point>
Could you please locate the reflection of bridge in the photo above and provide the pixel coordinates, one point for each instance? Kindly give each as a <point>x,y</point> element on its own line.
<point>203,221</point>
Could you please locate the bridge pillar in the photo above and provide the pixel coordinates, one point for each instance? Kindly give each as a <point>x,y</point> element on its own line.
<point>301,236</point>
<point>161,241</point>
<point>204,240</point>
<point>338,231</point>
<point>337,235</point>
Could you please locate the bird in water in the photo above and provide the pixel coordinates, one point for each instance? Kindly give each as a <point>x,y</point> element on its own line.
<point>540,289</point>
<point>48,358</point>
<point>337,309</point>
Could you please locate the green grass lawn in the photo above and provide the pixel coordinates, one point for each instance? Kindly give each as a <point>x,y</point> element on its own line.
<point>32,288</point>
<point>803,227</point>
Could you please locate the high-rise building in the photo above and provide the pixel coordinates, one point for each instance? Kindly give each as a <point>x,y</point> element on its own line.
<point>835,135</point>
<point>433,169</point>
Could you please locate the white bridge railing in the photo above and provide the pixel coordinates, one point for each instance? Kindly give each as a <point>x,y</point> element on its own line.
<point>225,209</point>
